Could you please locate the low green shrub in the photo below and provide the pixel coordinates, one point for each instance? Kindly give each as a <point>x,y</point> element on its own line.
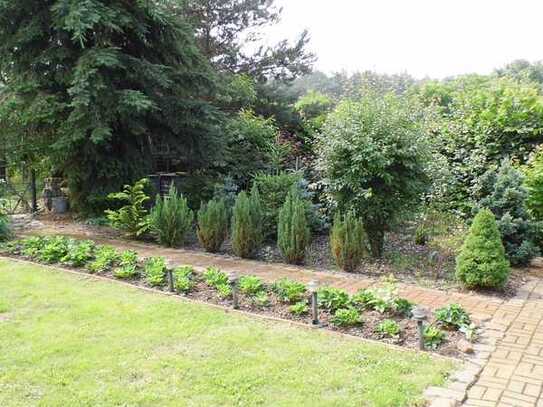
<point>332,298</point>
<point>171,218</point>
<point>452,316</point>
<point>224,291</point>
<point>183,279</point>
<point>128,265</point>
<point>289,291</point>
<point>155,271</point>
<point>389,327</point>
<point>251,285</point>
<point>247,224</point>
<point>364,299</point>
<point>5,230</point>
<point>214,277</point>
<point>79,253</point>
<point>403,307</point>
<point>261,299</point>
<point>54,249</point>
<point>213,224</point>
<point>421,236</point>
<point>293,233</point>
<point>132,217</point>
<point>433,337</point>
<point>348,241</point>
<point>31,247</point>
<point>346,317</point>
<point>105,258</point>
<point>300,308</point>
<point>482,262</point>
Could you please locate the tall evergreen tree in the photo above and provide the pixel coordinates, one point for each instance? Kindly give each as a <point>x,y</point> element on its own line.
<point>97,83</point>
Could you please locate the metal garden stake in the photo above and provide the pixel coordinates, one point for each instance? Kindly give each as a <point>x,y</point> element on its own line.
<point>233,280</point>
<point>419,315</point>
<point>312,287</point>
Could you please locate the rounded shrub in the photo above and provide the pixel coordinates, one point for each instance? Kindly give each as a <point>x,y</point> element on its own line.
<point>482,262</point>
<point>293,232</point>
<point>213,224</point>
<point>247,224</point>
<point>348,241</point>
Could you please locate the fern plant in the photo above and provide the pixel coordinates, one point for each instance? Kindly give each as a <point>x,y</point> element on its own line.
<point>293,233</point>
<point>247,224</point>
<point>171,218</point>
<point>213,224</point>
<point>131,218</point>
<point>348,241</point>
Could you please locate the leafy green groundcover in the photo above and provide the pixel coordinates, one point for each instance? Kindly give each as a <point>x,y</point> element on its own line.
<point>67,340</point>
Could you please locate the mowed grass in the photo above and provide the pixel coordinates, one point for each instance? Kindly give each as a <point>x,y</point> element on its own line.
<point>68,340</point>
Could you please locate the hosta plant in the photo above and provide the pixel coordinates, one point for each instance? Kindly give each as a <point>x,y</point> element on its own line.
<point>128,265</point>
<point>54,249</point>
<point>433,337</point>
<point>346,317</point>
<point>184,279</point>
<point>251,285</point>
<point>300,308</point>
<point>332,298</point>
<point>79,253</point>
<point>155,271</point>
<point>389,327</point>
<point>105,259</point>
<point>289,291</point>
<point>452,316</point>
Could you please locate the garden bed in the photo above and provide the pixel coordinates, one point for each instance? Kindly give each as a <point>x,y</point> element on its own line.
<point>430,265</point>
<point>383,306</point>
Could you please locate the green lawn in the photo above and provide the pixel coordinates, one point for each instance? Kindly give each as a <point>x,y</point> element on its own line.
<point>67,340</point>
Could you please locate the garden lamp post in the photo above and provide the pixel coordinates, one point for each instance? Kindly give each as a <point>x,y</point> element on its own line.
<point>233,281</point>
<point>312,287</point>
<point>169,273</point>
<point>419,315</point>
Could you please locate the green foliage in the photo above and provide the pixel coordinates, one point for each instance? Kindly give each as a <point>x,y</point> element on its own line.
<point>213,224</point>
<point>479,121</point>
<point>364,298</point>
<point>247,224</point>
<point>171,218</point>
<point>251,139</point>
<point>348,241</point>
<point>299,309</point>
<point>5,230</point>
<point>421,236</point>
<point>433,337</point>
<point>128,265</point>
<point>214,277</point>
<point>273,189</point>
<point>293,233</point>
<point>251,285</point>
<point>224,291</point>
<point>54,249</point>
<point>346,317</point>
<point>289,291</point>
<point>534,185</point>
<point>31,246</point>
<point>332,298</point>
<point>79,253</point>
<point>453,316</point>
<point>131,218</point>
<point>389,328</point>
<point>503,193</point>
<point>105,258</point>
<point>403,307</point>
<point>482,262</point>
<point>125,76</point>
<point>373,158</point>
<point>155,271</point>
<point>183,278</point>
<point>261,299</point>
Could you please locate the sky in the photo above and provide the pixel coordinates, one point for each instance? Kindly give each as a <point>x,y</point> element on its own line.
<point>426,38</point>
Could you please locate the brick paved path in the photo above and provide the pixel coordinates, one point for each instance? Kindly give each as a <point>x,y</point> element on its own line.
<point>513,340</point>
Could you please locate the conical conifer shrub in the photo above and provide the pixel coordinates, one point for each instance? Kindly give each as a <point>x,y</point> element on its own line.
<point>482,262</point>
<point>293,233</point>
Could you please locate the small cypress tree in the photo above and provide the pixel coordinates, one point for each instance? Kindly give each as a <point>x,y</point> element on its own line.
<point>293,233</point>
<point>348,241</point>
<point>247,224</point>
<point>213,224</point>
<point>482,262</point>
<point>171,218</point>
